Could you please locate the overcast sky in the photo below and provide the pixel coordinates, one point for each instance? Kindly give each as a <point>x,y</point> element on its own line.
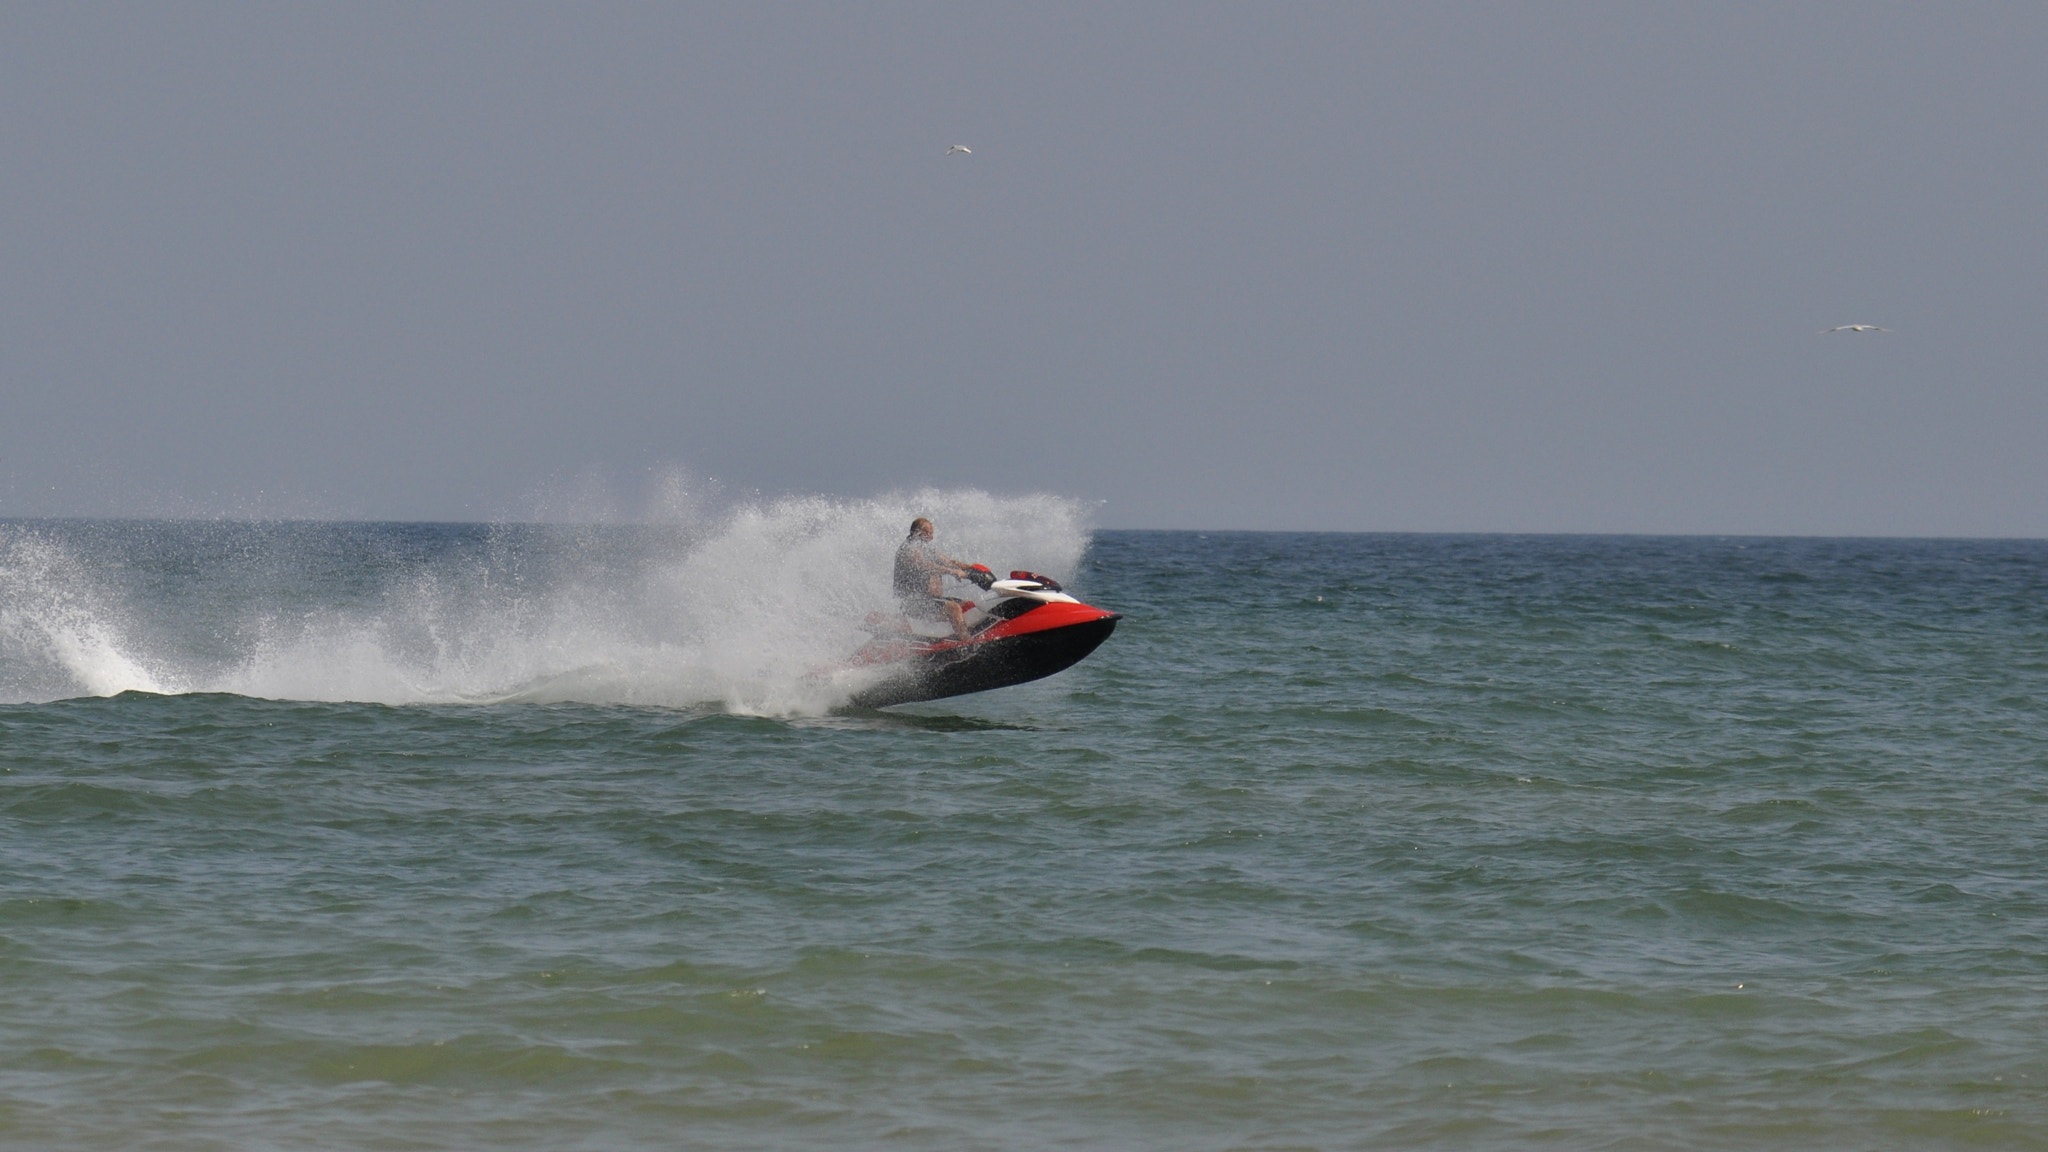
<point>1522,267</point>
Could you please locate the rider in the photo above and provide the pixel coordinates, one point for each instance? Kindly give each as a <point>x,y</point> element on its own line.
<point>921,572</point>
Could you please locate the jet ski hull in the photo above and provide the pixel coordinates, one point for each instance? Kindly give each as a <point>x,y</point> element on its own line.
<point>1014,652</point>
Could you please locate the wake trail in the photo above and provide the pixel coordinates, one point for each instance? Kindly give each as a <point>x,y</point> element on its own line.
<point>737,613</point>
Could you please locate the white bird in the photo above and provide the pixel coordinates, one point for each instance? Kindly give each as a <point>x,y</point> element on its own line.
<point>962,149</point>
<point>1854,328</point>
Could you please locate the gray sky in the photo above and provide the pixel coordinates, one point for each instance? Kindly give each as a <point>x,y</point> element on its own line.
<point>1465,267</point>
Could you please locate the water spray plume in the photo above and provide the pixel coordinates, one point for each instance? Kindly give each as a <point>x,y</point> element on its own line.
<point>734,613</point>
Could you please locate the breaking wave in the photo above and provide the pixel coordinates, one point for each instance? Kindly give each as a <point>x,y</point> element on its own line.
<point>740,611</point>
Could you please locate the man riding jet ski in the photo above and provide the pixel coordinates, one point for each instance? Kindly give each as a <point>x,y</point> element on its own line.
<point>920,582</point>
<point>1030,629</point>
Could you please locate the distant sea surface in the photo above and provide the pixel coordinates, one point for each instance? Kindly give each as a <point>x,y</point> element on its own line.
<point>458,837</point>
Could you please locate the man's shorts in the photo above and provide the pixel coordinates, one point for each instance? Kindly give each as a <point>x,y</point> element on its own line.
<point>925,607</point>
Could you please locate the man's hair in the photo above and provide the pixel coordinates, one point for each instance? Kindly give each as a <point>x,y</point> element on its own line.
<point>918,523</point>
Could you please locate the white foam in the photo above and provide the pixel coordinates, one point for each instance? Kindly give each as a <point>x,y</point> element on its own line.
<point>739,613</point>
<point>57,633</point>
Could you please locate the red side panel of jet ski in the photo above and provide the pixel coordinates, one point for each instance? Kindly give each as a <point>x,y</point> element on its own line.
<point>1040,619</point>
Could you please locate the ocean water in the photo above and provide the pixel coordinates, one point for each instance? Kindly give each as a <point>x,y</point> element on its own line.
<point>425,837</point>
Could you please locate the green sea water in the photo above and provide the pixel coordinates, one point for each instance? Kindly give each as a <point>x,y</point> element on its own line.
<point>418,837</point>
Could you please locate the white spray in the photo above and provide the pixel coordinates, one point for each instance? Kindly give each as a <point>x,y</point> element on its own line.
<point>739,612</point>
<point>57,636</point>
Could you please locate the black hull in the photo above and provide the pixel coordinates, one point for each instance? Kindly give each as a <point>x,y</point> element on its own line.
<point>990,664</point>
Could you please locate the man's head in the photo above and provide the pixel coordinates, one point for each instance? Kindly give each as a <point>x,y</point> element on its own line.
<point>921,528</point>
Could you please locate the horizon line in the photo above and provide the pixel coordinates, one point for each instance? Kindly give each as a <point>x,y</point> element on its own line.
<point>1524,532</point>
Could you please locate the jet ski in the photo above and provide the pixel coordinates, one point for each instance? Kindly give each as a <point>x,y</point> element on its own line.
<point>1029,629</point>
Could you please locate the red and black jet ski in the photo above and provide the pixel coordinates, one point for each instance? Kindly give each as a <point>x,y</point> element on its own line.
<point>1029,630</point>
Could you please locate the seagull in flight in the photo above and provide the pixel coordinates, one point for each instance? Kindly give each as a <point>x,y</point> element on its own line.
<point>962,149</point>
<point>1854,328</point>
